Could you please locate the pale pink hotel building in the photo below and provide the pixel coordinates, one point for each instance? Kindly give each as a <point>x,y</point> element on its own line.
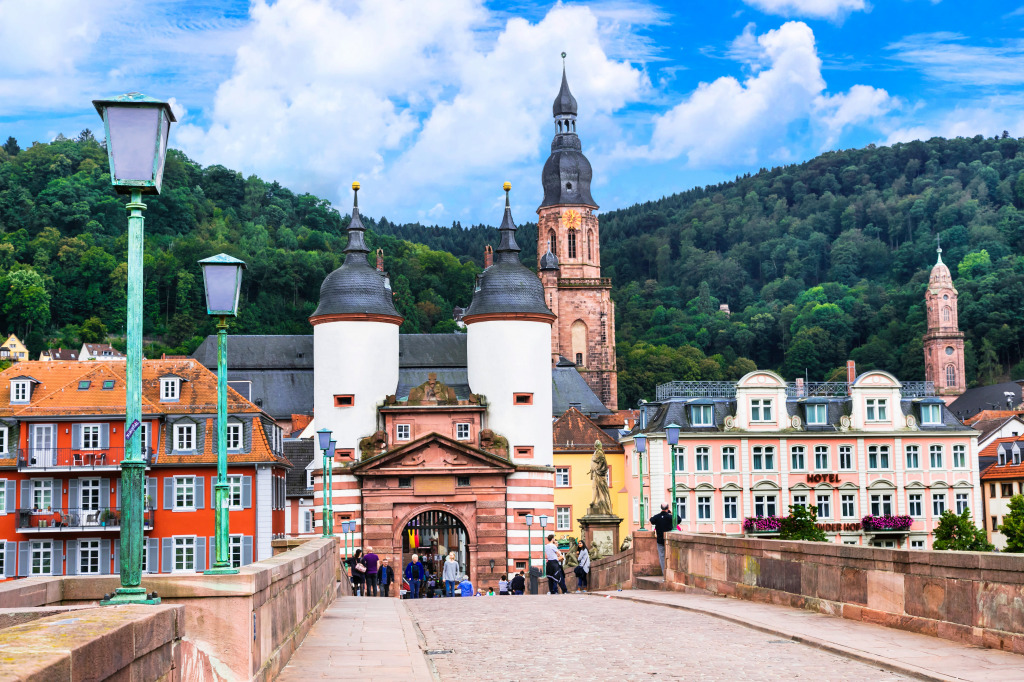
<point>868,446</point>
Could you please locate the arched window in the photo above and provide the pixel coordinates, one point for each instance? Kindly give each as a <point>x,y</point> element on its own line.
<point>553,241</point>
<point>946,314</point>
<point>950,376</point>
<point>578,334</point>
<point>571,241</point>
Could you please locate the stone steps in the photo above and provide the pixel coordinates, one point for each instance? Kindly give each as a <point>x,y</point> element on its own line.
<point>649,582</point>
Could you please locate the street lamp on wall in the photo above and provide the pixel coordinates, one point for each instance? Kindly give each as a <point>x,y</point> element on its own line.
<point>672,435</point>
<point>136,129</point>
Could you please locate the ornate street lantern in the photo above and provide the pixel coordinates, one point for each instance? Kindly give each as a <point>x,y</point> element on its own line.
<point>136,129</point>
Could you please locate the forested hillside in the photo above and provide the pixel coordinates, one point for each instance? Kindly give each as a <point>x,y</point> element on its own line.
<point>818,262</point>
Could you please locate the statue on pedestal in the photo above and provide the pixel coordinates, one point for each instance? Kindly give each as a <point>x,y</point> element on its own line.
<point>602,502</point>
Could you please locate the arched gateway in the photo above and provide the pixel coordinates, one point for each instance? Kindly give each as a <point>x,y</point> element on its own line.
<point>432,535</point>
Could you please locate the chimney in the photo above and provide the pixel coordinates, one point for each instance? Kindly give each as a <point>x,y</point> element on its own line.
<point>799,387</point>
<point>851,371</point>
<point>380,260</point>
<point>488,256</point>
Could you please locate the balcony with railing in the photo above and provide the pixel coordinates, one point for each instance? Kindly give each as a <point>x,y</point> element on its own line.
<point>73,459</point>
<point>75,520</point>
<point>585,282</point>
<point>803,389</point>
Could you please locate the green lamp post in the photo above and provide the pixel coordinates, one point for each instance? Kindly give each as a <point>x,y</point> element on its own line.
<point>640,443</point>
<point>345,528</point>
<point>672,434</point>
<point>136,129</point>
<point>529,541</point>
<point>326,446</point>
<point>543,519</point>
<point>331,450</point>
<point>222,280</point>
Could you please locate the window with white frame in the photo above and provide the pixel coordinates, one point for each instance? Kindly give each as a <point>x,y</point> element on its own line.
<point>235,492</point>
<point>561,477</point>
<point>730,507</point>
<point>679,453</point>
<point>681,508</point>
<point>309,478</point>
<point>89,557</point>
<point>90,436</point>
<point>935,456</point>
<point>931,414</point>
<point>307,520</point>
<point>702,415</point>
<point>764,505</point>
<point>938,503</point>
<point>235,550</point>
<point>462,431</point>
<point>3,440</point>
<point>848,506</point>
<point>19,391</point>
<point>563,520</point>
<point>961,503</point>
<point>402,431</point>
<point>3,502</point>
<point>881,504</point>
<point>169,389</point>
<point>800,500</point>
<point>703,507</point>
<point>817,414</point>
<point>824,501</point>
<point>959,456</point>
<point>41,557</point>
<point>729,458</point>
<point>764,457</point>
<point>845,456</point>
<point>89,493</point>
<point>234,436</point>
<point>144,439</point>
<point>797,459</point>
<point>703,457</point>
<point>914,505</point>
<point>877,409</point>
<point>42,493</point>
<point>878,456</point>
<point>184,554</point>
<point>636,510</point>
<point>184,492</point>
<point>913,457</point>
<point>761,410</point>
<point>917,544</point>
<point>184,437</point>
<point>821,457</point>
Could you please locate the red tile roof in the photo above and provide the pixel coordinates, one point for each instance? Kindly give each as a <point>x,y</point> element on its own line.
<point>995,471</point>
<point>986,415</point>
<point>576,432</point>
<point>259,452</point>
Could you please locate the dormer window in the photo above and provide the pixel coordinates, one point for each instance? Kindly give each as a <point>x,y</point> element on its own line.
<point>817,414</point>
<point>931,414</point>
<point>170,389</point>
<point>761,410</point>
<point>20,391</point>
<point>877,409</point>
<point>702,415</point>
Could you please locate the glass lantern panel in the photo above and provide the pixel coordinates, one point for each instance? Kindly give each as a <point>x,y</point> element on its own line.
<point>165,129</point>
<point>221,288</point>
<point>133,141</point>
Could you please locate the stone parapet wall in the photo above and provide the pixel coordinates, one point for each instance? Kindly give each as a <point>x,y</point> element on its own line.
<point>243,626</point>
<point>612,572</point>
<point>971,597</point>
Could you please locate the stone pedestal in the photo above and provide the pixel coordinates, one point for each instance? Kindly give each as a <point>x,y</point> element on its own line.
<point>601,533</point>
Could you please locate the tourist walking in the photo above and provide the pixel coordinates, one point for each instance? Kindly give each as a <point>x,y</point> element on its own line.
<point>553,557</point>
<point>662,522</point>
<point>385,576</point>
<point>415,574</point>
<point>518,583</point>
<point>450,575</point>
<point>582,570</point>
<point>371,560</point>
<point>465,587</point>
<point>357,569</point>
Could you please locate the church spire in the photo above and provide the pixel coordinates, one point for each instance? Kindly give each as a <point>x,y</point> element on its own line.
<point>938,248</point>
<point>567,172</point>
<point>508,250</point>
<point>565,103</point>
<point>356,246</point>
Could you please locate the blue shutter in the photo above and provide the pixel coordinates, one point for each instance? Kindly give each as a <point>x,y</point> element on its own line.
<point>152,555</point>
<point>117,556</point>
<point>11,491</point>
<point>26,494</point>
<point>105,557</point>
<point>200,495</point>
<point>104,494</point>
<point>23,563</point>
<point>213,550</point>
<point>10,559</point>
<point>72,557</point>
<point>73,496</point>
<point>104,436</point>
<point>58,489</point>
<point>169,492</point>
<point>151,491</point>
<point>117,497</point>
<point>57,558</point>
<point>168,556</point>
<point>200,554</point>
<point>246,550</point>
<point>213,492</point>
<point>76,436</point>
<point>246,492</point>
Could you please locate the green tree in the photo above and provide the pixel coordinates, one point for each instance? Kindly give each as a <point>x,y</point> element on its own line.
<point>801,524</point>
<point>26,301</point>
<point>11,146</point>
<point>1012,526</point>
<point>957,532</point>
<point>92,331</point>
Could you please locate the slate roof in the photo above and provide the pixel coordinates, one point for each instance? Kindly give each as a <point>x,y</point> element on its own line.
<point>300,452</point>
<point>569,388</point>
<point>432,350</point>
<point>564,102</point>
<point>993,397</point>
<point>457,378</point>
<point>576,432</point>
<point>62,354</point>
<point>103,349</point>
<point>259,351</point>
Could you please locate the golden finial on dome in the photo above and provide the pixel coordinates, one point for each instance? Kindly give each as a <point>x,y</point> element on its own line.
<point>507,186</point>
<point>355,185</point>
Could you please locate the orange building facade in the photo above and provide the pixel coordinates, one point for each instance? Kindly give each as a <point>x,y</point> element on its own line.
<point>62,434</point>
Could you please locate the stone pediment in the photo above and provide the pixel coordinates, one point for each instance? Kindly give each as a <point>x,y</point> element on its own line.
<point>432,453</point>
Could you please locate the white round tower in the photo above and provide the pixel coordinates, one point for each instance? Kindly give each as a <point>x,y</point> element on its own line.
<point>509,351</point>
<point>355,343</point>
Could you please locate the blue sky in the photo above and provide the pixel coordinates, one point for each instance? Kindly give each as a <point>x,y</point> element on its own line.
<point>432,104</point>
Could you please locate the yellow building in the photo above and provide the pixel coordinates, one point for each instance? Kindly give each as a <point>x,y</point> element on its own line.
<point>14,350</point>
<point>574,436</point>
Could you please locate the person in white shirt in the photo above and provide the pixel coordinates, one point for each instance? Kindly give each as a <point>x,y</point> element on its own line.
<point>553,557</point>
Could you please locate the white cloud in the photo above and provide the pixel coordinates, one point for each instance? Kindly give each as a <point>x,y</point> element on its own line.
<point>62,32</point>
<point>409,96</point>
<point>988,117</point>
<point>726,122</point>
<point>818,9</point>
<point>945,56</point>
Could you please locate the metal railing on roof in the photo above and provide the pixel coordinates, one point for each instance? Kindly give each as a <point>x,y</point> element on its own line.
<point>809,389</point>
<point>696,389</point>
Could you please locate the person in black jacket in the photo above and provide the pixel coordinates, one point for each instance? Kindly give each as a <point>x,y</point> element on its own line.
<point>662,522</point>
<point>518,583</point>
<point>385,576</point>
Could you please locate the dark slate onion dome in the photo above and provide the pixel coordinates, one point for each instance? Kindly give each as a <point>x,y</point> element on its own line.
<point>549,261</point>
<point>356,288</point>
<point>508,287</point>
<point>567,173</point>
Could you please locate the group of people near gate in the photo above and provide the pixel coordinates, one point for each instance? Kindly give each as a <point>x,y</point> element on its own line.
<point>372,575</point>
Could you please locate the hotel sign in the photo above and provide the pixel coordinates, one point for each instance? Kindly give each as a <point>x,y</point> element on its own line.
<point>823,478</point>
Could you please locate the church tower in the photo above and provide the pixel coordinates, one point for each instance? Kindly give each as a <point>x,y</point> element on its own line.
<point>944,342</point>
<point>569,258</point>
